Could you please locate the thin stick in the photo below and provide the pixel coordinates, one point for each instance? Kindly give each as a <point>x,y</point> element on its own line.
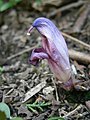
<point>22,52</point>
<point>77,41</point>
<point>67,7</point>
<point>56,93</point>
<point>57,97</point>
<point>73,111</point>
<point>79,56</point>
<point>81,19</point>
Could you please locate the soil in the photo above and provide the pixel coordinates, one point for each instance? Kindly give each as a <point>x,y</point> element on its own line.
<point>18,76</point>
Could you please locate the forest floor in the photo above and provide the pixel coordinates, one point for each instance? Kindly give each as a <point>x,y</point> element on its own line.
<point>19,79</point>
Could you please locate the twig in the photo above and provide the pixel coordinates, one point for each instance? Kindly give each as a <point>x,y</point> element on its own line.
<point>13,67</point>
<point>73,54</point>
<point>73,111</point>
<point>81,19</point>
<point>22,52</point>
<point>77,41</point>
<point>10,91</point>
<point>88,104</point>
<point>33,91</point>
<point>82,114</point>
<point>79,56</point>
<point>56,94</point>
<point>76,4</point>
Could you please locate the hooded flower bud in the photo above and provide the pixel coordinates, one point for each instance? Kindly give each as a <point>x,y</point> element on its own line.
<point>54,49</point>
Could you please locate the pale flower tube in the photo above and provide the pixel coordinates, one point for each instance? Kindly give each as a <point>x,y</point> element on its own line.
<point>54,49</point>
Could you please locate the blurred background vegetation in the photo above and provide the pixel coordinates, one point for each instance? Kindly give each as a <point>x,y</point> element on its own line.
<point>6,4</point>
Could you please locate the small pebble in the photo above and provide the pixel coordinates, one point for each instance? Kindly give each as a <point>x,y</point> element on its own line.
<point>28,33</point>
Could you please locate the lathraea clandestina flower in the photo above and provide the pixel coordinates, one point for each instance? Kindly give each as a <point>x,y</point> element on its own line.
<point>54,49</point>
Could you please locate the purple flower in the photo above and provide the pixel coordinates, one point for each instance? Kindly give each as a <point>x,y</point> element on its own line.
<point>54,49</point>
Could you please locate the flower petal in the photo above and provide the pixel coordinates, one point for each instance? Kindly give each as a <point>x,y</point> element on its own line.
<point>57,62</point>
<point>37,54</point>
<point>29,30</point>
<point>54,49</point>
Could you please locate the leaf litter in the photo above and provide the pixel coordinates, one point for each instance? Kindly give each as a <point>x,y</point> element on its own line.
<point>17,77</point>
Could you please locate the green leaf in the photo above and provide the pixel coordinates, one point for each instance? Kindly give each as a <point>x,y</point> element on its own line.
<point>38,2</point>
<point>1,3</point>
<point>5,6</point>
<point>38,105</point>
<point>4,108</point>
<point>1,69</point>
<point>17,118</point>
<point>2,115</point>
<point>33,110</point>
<point>56,118</point>
<point>18,1</point>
